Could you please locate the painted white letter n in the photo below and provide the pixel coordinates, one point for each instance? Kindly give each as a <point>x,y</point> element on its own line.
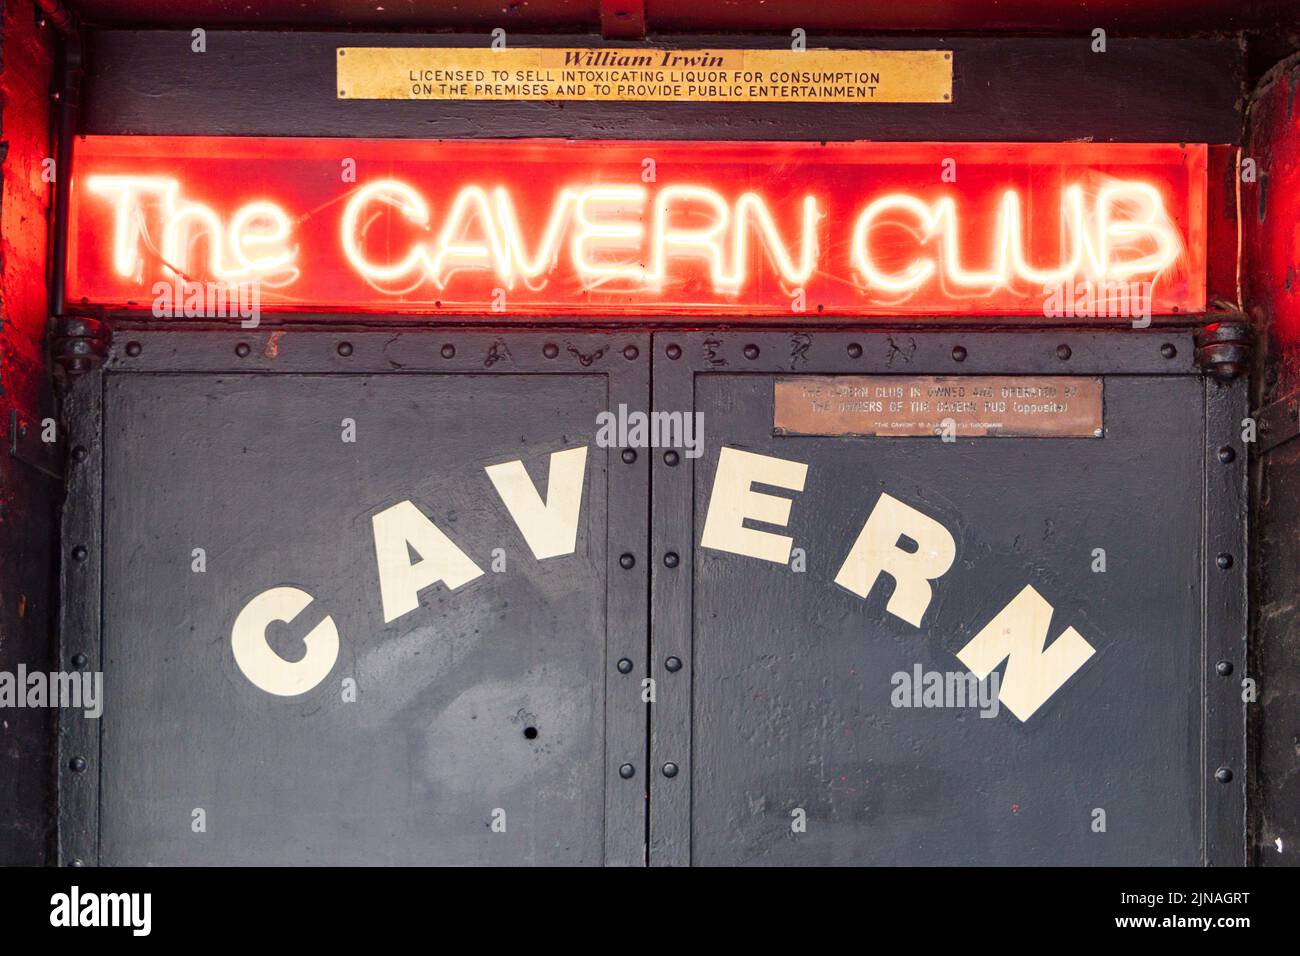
<point>1017,635</point>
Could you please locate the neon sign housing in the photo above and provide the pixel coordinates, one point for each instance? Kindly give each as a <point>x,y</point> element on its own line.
<point>545,228</point>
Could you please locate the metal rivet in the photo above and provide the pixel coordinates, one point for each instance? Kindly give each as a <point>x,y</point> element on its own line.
<point>674,664</point>
<point>627,771</point>
<point>1224,668</point>
<point>670,769</point>
<point>448,351</point>
<point>624,666</point>
<point>79,661</point>
<point>670,559</point>
<point>1168,350</point>
<point>76,863</point>
<point>1063,352</point>
<point>629,456</point>
<point>1223,775</point>
<point>751,352</point>
<point>674,352</point>
<point>1227,455</point>
<point>78,764</point>
<point>345,349</point>
<point>79,553</point>
<point>79,453</point>
<point>855,350</point>
<point>550,350</point>
<point>1224,561</point>
<point>671,458</point>
<point>133,349</point>
<point>959,354</point>
<point>626,562</point>
<point>242,350</point>
<point>631,352</point>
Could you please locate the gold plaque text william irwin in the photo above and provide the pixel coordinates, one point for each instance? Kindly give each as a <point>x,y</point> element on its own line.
<point>645,75</point>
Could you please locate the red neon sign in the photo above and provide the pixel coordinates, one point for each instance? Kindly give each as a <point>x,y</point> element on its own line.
<point>546,227</point>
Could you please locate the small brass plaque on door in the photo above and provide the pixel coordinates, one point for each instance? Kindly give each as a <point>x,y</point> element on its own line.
<point>960,406</point>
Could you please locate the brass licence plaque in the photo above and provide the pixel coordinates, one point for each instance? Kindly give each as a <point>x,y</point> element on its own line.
<point>644,74</point>
<point>961,406</point>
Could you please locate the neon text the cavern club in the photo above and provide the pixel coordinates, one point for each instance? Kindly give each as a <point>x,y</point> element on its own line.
<point>637,236</point>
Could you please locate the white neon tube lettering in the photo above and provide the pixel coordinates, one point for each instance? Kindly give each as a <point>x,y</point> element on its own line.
<point>1125,231</point>
<point>391,192</point>
<point>1088,258</point>
<point>1072,212</point>
<point>176,237</point>
<point>1153,224</point>
<point>606,221</point>
<point>470,203</point>
<point>625,236</point>
<point>548,250</point>
<point>704,242</point>
<point>124,192</point>
<point>242,236</point>
<point>751,205</point>
<point>946,215</point>
<point>919,270</point>
<point>178,222</point>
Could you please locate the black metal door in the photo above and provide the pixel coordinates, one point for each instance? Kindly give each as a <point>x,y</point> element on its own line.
<point>790,725</point>
<point>339,619</point>
<point>338,624</point>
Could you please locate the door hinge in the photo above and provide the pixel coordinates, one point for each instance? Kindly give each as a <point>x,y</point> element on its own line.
<point>1223,349</point>
<point>78,343</point>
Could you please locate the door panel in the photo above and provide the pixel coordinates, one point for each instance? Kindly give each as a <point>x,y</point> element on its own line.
<point>806,744</point>
<point>478,732</point>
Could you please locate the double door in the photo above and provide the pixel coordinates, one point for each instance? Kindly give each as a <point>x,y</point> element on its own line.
<point>575,597</point>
